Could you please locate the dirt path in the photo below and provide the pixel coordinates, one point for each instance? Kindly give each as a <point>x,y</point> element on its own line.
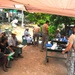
<point>33,64</point>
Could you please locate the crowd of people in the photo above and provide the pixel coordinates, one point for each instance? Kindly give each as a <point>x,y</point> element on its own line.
<point>70,47</point>
<point>9,44</point>
<point>36,34</point>
<point>44,34</point>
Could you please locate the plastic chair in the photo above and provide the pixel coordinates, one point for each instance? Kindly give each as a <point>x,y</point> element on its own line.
<point>24,41</point>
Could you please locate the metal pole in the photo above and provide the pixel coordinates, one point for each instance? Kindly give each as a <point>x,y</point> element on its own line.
<point>22,19</point>
<point>8,17</point>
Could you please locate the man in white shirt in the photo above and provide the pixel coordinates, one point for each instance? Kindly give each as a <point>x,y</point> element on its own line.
<point>27,36</point>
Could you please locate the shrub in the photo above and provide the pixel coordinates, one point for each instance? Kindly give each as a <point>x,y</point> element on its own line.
<point>51,32</point>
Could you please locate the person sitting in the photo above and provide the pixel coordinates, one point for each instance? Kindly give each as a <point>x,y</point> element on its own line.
<point>27,36</point>
<point>58,35</point>
<point>3,61</point>
<point>26,32</point>
<point>3,58</point>
<point>5,51</point>
<point>13,42</point>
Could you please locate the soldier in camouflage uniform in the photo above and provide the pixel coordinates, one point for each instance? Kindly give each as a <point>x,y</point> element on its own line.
<point>71,54</point>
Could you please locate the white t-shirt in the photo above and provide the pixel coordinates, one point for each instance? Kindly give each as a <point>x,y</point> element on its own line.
<point>29,39</point>
<point>12,41</point>
<point>26,33</point>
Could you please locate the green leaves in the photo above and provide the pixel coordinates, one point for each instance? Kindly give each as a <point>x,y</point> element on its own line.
<point>51,31</point>
<point>57,20</point>
<point>38,18</point>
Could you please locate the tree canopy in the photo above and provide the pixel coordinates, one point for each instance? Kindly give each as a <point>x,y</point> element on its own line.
<point>56,20</point>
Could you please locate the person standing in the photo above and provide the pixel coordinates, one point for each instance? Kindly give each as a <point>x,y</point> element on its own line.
<point>36,31</point>
<point>44,34</point>
<point>71,53</point>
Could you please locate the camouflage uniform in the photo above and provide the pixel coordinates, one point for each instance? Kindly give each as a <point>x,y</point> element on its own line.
<point>71,56</point>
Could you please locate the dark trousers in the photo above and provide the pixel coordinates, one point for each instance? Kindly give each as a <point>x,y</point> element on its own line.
<point>17,50</point>
<point>3,60</point>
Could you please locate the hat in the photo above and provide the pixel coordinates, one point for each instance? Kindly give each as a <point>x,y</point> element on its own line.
<point>14,32</point>
<point>27,28</point>
<point>58,30</point>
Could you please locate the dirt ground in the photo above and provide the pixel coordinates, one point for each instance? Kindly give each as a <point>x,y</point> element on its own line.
<point>33,62</point>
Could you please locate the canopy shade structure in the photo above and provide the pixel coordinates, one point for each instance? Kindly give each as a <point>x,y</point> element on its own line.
<point>58,7</point>
<point>11,5</point>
